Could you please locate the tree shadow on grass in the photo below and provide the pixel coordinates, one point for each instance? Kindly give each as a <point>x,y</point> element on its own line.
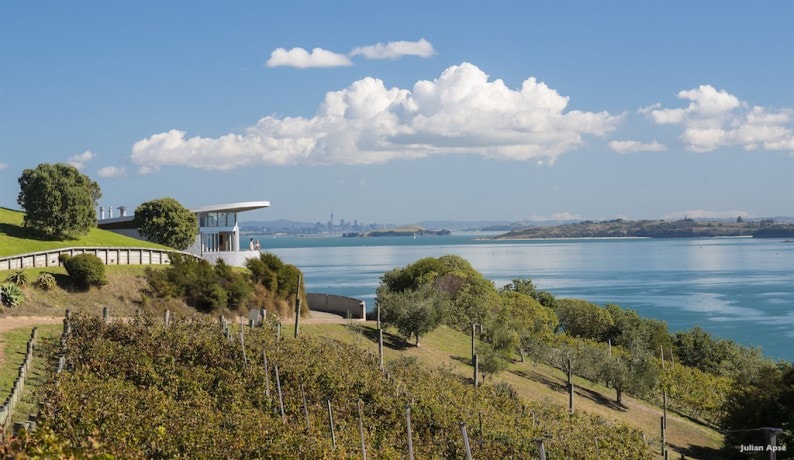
<point>18,231</point>
<point>701,452</point>
<point>392,341</point>
<point>555,385</point>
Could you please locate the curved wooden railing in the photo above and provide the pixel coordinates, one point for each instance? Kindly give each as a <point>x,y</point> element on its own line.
<point>108,255</point>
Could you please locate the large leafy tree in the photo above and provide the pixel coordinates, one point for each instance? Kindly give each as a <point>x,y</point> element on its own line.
<point>166,221</point>
<point>59,201</point>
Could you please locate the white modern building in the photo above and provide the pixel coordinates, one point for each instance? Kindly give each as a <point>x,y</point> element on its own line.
<point>219,231</point>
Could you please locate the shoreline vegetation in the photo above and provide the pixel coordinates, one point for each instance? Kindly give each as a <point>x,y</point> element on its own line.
<point>687,228</point>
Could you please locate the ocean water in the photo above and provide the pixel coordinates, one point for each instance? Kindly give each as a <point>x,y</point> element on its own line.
<point>736,288</point>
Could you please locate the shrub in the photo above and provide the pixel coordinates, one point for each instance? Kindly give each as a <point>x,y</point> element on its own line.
<point>18,278</point>
<point>11,295</point>
<point>85,270</point>
<point>45,281</point>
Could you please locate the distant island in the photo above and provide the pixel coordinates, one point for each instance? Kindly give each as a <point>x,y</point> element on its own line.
<point>402,231</point>
<point>686,228</point>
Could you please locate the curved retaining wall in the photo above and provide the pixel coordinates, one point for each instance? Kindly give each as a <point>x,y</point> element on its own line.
<point>338,304</point>
<point>108,255</point>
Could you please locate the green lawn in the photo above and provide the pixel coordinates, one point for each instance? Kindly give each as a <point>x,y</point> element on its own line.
<point>15,239</point>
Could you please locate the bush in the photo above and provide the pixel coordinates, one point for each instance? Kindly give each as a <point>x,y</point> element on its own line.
<point>18,278</point>
<point>11,295</point>
<point>45,281</point>
<point>85,270</point>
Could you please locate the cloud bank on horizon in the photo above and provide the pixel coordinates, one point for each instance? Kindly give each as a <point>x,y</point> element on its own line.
<point>463,111</point>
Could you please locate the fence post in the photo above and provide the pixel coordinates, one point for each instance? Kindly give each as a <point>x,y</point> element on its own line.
<point>242,344</point>
<point>472,340</point>
<point>106,315</point>
<point>361,431</point>
<point>476,371</point>
<point>465,440</point>
<point>267,374</point>
<point>410,434</point>
<point>664,444</point>
<point>167,318</point>
<point>331,423</point>
<point>541,449</point>
<point>280,397</point>
<point>305,409</point>
<point>298,307</point>
<point>380,349</point>
<point>570,387</point>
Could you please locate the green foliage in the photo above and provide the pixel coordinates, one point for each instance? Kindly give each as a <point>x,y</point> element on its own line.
<point>580,318</point>
<point>45,281</point>
<point>85,270</point>
<point>767,402</point>
<point>631,330</point>
<point>19,278</point>
<point>59,201</point>
<point>166,221</point>
<point>527,287</point>
<point>11,295</point>
<point>281,279</point>
<point>491,361</point>
<point>412,312</point>
<point>140,390</point>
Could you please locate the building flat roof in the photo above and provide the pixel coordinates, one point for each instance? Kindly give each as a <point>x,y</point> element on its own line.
<point>233,207</point>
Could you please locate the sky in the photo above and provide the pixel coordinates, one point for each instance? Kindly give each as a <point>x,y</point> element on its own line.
<point>406,111</point>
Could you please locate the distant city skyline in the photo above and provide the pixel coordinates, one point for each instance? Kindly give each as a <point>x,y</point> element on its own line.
<point>405,111</point>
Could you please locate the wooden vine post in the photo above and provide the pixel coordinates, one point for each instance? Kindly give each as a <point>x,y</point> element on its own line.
<point>298,306</point>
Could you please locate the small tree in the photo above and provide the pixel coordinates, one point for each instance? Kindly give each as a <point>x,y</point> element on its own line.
<point>412,312</point>
<point>59,201</point>
<point>165,221</point>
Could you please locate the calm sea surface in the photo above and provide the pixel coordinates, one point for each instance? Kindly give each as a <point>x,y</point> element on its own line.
<point>736,288</point>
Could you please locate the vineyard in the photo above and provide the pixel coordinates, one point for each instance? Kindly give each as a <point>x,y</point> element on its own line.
<point>192,388</point>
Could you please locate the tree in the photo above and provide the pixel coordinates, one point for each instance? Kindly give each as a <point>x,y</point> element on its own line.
<point>583,319</point>
<point>59,201</point>
<point>165,221</point>
<point>412,312</point>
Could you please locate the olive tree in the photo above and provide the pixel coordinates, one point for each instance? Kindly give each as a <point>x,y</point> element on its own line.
<point>59,201</point>
<point>165,221</point>
<point>412,312</point>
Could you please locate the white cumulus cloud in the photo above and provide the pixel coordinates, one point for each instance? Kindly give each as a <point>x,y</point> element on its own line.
<point>112,171</point>
<point>3,166</point>
<point>460,112</point>
<point>79,161</point>
<point>394,50</point>
<point>634,146</point>
<point>715,119</point>
<point>302,59</point>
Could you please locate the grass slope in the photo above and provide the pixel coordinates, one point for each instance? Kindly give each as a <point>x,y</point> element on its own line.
<point>451,349</point>
<point>15,239</point>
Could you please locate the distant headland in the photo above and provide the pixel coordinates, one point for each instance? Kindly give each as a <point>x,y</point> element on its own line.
<point>686,228</point>
<point>413,231</point>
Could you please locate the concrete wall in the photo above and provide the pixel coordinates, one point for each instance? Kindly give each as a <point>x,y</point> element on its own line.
<point>338,304</point>
<point>110,256</point>
<point>233,258</point>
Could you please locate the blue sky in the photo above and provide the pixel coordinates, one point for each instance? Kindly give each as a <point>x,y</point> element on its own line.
<point>408,111</point>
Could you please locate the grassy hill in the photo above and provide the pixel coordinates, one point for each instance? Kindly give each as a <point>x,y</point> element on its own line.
<point>15,239</point>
